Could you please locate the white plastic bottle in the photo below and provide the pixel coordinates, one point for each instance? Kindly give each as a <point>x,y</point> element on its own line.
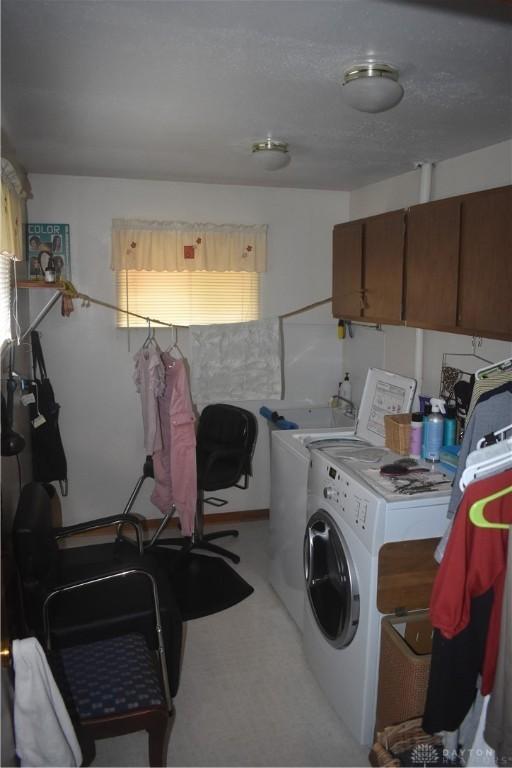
<point>435,430</point>
<point>346,392</point>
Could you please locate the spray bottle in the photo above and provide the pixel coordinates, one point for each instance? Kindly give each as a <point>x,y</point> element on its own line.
<point>450,426</point>
<point>435,424</point>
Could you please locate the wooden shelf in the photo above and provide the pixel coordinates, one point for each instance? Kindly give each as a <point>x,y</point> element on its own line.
<point>39,284</point>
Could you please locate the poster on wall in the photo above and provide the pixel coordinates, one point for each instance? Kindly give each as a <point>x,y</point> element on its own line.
<point>43,241</point>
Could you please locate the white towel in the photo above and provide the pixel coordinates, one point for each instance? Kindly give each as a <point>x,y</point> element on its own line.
<point>43,730</point>
<point>236,361</point>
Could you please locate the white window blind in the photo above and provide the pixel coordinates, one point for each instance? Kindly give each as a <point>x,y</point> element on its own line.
<point>187,298</point>
<point>5,299</point>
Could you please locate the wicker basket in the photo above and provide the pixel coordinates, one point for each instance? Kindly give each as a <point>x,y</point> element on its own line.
<point>405,653</point>
<point>398,432</point>
<point>396,739</point>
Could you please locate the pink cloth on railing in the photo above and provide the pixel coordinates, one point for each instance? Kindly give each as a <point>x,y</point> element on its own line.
<point>175,464</point>
<point>149,378</point>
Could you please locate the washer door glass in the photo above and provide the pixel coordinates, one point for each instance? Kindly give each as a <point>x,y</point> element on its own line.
<point>331,580</point>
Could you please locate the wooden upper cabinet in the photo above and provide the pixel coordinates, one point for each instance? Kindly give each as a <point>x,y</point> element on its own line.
<point>485,283</point>
<point>347,269</point>
<point>383,267</point>
<point>368,257</point>
<point>432,264</point>
<point>458,266</point>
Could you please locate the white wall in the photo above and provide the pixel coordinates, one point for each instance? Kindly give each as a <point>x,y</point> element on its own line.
<point>394,347</point>
<point>88,360</point>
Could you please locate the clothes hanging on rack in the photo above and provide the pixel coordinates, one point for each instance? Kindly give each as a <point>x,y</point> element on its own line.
<point>454,668</point>
<point>236,361</point>
<point>502,365</point>
<point>149,378</point>
<point>175,464</point>
<point>498,726</point>
<point>489,415</point>
<point>507,387</point>
<point>462,392</point>
<point>449,378</point>
<point>489,384</point>
<point>465,607</point>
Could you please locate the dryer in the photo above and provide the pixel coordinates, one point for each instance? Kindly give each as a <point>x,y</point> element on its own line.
<point>350,516</point>
<point>289,465</point>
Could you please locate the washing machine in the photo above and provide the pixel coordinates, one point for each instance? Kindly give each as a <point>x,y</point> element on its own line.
<point>384,392</point>
<point>352,511</point>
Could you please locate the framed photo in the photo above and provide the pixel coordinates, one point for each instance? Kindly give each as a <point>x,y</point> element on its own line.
<point>43,241</point>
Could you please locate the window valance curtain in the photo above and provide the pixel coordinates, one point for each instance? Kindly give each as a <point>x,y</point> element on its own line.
<point>166,246</point>
<point>13,212</point>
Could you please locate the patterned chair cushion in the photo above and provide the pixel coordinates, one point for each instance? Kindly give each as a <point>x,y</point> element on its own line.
<point>111,676</point>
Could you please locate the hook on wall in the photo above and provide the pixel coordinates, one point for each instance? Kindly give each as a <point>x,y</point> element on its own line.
<point>476,342</point>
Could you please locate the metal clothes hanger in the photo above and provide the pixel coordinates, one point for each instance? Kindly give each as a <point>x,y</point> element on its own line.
<point>503,365</point>
<point>476,512</point>
<point>475,343</point>
<point>150,338</point>
<point>174,344</point>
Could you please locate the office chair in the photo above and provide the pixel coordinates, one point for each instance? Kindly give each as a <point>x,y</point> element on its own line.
<point>89,593</point>
<point>226,436</point>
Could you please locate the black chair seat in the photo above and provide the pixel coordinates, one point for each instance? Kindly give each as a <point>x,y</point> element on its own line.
<point>110,677</point>
<point>112,687</point>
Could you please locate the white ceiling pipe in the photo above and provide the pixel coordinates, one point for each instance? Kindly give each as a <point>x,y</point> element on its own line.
<point>425,193</point>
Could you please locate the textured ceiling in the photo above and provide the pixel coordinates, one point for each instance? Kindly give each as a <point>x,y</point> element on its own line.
<point>158,89</point>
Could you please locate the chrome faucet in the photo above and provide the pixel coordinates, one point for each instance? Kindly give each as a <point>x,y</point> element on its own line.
<point>352,408</point>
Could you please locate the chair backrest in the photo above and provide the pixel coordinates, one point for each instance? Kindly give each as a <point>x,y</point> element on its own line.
<point>35,547</point>
<point>226,437</point>
<point>36,552</point>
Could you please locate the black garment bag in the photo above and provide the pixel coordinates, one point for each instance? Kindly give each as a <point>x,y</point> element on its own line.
<point>48,457</point>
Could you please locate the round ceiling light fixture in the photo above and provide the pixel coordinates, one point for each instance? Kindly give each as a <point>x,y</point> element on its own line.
<point>271,154</point>
<point>372,87</point>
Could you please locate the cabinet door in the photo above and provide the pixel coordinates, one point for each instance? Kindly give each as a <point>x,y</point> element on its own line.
<point>383,267</point>
<point>432,264</point>
<point>485,289</point>
<point>347,266</point>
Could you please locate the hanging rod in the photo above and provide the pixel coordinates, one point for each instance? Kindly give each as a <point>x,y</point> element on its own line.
<point>41,315</point>
<point>67,288</point>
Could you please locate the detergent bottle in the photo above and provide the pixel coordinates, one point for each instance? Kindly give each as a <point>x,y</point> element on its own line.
<point>435,426</point>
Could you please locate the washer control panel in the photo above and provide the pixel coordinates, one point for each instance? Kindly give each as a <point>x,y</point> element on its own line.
<point>350,499</point>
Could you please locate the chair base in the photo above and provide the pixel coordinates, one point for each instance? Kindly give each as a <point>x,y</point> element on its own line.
<point>199,539</point>
<point>157,722</point>
<point>203,542</point>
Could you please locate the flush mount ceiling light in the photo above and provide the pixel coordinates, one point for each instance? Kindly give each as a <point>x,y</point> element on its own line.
<point>270,154</point>
<point>372,87</point>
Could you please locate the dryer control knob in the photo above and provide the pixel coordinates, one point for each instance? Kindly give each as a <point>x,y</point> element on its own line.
<point>329,492</point>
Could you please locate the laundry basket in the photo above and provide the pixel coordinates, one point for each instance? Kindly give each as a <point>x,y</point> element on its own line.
<point>406,744</point>
<point>405,653</point>
<point>398,432</point>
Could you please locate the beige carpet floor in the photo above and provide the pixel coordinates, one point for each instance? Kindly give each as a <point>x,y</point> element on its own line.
<point>247,696</point>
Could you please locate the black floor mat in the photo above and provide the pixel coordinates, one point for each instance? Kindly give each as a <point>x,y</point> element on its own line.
<point>203,584</point>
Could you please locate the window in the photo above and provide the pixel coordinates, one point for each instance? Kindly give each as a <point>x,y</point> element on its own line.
<point>5,299</point>
<point>15,188</point>
<point>187,298</point>
<point>188,274</point>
